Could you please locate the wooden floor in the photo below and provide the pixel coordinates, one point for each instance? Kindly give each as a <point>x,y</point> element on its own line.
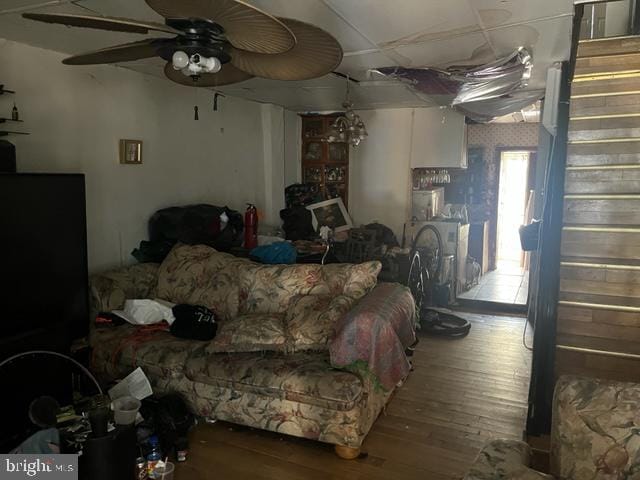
<point>460,394</point>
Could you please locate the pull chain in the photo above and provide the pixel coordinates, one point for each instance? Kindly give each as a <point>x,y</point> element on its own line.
<point>195,107</point>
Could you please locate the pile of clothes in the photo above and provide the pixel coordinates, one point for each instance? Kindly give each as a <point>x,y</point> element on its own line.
<point>193,322</point>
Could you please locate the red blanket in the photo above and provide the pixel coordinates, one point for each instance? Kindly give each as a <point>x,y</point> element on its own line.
<point>376,333</point>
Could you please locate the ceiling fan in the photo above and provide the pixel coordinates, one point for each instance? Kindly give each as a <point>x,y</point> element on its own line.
<point>214,43</point>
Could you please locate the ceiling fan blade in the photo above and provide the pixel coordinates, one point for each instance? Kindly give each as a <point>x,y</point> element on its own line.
<point>119,53</point>
<point>102,23</point>
<point>229,74</point>
<point>315,54</point>
<point>245,26</point>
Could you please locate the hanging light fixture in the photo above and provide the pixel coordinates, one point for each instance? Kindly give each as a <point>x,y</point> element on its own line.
<point>347,128</point>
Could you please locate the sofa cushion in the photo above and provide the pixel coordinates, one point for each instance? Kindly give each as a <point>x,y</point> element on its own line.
<point>199,275</point>
<point>253,332</point>
<point>310,320</point>
<point>353,280</point>
<point>303,377</point>
<point>157,352</point>
<point>270,288</point>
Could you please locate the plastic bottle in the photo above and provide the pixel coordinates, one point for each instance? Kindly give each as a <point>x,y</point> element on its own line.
<point>154,456</point>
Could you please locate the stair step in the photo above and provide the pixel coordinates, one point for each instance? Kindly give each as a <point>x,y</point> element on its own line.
<point>609,72</point>
<point>622,179</point>
<point>605,63</point>
<point>605,87</point>
<point>606,105</point>
<point>615,127</point>
<point>603,154</point>
<point>608,46</point>
<point>630,134</point>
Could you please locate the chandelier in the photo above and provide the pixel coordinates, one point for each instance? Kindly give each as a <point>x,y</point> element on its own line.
<point>347,128</point>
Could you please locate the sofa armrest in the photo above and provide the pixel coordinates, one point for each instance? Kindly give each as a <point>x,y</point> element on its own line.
<point>109,290</point>
<point>596,427</point>
<point>507,459</point>
<point>375,333</point>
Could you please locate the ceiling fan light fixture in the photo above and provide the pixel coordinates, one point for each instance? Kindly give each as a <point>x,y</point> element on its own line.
<point>195,64</point>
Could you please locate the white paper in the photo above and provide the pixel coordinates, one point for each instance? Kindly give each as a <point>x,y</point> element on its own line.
<point>136,385</point>
<point>146,312</point>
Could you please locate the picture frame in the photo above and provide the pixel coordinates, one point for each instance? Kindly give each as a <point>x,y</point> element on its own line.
<point>331,213</point>
<point>130,152</point>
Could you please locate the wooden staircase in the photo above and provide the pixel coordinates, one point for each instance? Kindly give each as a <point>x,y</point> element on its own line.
<point>598,326</point>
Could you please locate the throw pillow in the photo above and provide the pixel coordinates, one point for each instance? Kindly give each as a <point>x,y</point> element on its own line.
<point>311,319</point>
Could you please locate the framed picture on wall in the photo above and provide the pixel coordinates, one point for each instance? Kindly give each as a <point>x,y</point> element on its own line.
<point>331,213</point>
<point>131,152</point>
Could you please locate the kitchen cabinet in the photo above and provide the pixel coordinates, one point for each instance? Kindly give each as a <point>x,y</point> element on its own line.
<point>439,138</point>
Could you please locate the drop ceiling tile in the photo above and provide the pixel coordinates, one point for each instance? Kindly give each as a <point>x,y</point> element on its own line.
<point>436,53</point>
<point>504,12</point>
<point>357,66</point>
<point>136,9</point>
<point>407,21</point>
<point>69,40</point>
<point>8,5</point>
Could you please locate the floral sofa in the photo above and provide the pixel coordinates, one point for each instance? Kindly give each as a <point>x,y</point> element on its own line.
<point>595,436</point>
<point>307,350</point>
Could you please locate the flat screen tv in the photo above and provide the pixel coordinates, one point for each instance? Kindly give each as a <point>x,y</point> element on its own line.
<point>43,253</point>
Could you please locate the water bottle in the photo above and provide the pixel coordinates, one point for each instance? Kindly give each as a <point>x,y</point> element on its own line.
<point>154,456</point>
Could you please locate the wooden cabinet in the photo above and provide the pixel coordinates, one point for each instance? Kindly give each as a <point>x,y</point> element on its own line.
<point>325,164</point>
<point>439,138</point>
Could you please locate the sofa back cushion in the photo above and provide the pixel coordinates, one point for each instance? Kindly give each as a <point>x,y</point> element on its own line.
<point>200,275</point>
<point>270,288</point>
<point>352,280</point>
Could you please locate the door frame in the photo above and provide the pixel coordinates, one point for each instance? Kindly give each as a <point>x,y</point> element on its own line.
<point>531,180</point>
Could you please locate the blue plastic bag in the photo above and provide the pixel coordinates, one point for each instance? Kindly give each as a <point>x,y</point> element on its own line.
<point>278,252</point>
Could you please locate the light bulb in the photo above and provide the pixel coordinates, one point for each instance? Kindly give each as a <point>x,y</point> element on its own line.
<point>212,65</point>
<point>180,59</point>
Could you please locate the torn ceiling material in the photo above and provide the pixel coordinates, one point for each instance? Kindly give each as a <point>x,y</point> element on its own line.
<point>482,93</point>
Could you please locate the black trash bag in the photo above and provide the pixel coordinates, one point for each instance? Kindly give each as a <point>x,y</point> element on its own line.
<point>169,418</point>
<point>192,225</point>
<point>384,235</point>
<point>297,224</point>
<point>152,251</point>
<point>193,322</point>
<point>529,235</point>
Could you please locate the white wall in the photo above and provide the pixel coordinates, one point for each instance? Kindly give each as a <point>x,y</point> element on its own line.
<point>76,115</point>
<point>379,187</point>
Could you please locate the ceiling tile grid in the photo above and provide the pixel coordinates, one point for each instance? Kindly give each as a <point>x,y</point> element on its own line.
<point>373,33</point>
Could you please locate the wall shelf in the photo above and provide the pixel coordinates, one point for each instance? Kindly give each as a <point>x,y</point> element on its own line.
<point>4,133</point>
<point>3,120</point>
<point>3,90</point>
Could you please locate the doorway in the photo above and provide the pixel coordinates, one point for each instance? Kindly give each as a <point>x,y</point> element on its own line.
<point>508,281</point>
<point>512,209</point>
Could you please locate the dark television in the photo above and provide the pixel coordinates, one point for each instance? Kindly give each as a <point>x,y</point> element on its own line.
<point>43,251</point>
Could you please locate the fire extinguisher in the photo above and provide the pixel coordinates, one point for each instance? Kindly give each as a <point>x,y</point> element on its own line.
<point>250,227</point>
